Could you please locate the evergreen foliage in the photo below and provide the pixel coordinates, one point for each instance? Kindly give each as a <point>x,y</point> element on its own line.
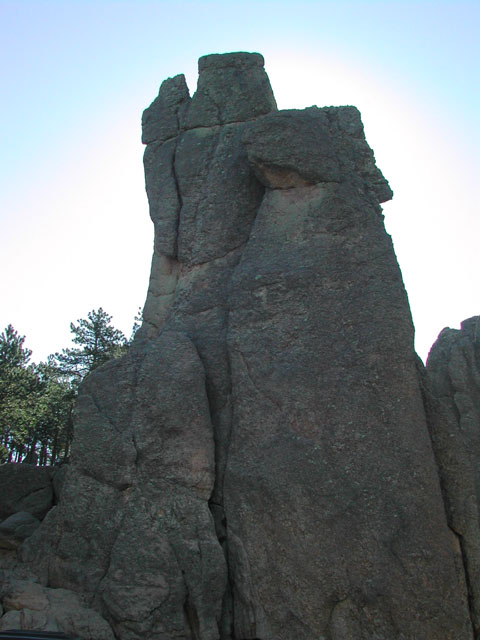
<point>37,401</point>
<point>97,343</point>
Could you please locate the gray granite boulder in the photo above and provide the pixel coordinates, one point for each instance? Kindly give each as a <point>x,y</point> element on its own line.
<point>28,605</point>
<point>25,487</point>
<point>14,529</point>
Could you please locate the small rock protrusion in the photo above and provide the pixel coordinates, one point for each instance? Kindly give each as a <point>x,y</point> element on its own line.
<point>232,87</point>
<point>160,121</point>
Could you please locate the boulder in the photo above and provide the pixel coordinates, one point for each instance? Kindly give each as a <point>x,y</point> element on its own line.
<point>25,487</point>
<point>16,528</point>
<point>29,605</point>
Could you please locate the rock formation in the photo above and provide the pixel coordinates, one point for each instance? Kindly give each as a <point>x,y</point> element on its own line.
<point>29,605</point>
<point>453,404</point>
<point>259,465</point>
<point>27,494</point>
<point>26,497</point>
<point>26,488</point>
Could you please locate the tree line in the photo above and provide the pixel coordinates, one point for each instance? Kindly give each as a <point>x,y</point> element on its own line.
<point>37,400</point>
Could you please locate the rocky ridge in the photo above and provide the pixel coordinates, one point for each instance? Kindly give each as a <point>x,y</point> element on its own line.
<point>268,461</point>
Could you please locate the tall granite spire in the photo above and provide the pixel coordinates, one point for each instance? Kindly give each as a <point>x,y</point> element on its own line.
<point>259,466</point>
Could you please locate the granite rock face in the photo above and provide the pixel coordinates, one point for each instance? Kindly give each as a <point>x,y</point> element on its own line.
<point>453,379</point>
<point>133,531</point>
<point>259,465</point>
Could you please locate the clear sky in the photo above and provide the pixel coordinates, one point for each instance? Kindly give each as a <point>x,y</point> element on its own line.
<point>76,74</point>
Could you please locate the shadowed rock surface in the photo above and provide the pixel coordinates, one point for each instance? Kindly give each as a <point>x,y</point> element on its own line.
<point>453,368</point>
<point>16,528</point>
<point>259,465</point>
<point>25,487</point>
<point>28,605</point>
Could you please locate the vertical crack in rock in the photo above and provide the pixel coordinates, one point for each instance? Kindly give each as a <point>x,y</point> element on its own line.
<point>219,199</point>
<point>97,590</point>
<point>189,176</point>
<point>470,588</point>
<point>458,491</point>
<point>96,402</point>
<point>137,453</point>
<point>179,196</point>
<point>227,630</point>
<point>222,433</point>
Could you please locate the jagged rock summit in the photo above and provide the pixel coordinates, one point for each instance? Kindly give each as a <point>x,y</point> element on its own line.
<point>259,465</point>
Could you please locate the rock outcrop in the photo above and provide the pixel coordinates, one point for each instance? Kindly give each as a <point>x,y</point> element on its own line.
<point>259,465</point>
<point>28,605</point>
<point>453,388</point>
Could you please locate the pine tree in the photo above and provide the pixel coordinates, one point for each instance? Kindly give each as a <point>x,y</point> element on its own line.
<point>19,391</point>
<point>98,342</point>
<point>36,401</point>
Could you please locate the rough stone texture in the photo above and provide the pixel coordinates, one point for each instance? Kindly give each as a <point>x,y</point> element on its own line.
<point>16,528</point>
<point>58,477</point>
<point>28,605</point>
<point>453,382</point>
<point>329,449</point>
<point>259,466</point>
<point>133,531</point>
<point>160,120</point>
<point>25,487</point>
<point>294,148</point>
<point>231,87</point>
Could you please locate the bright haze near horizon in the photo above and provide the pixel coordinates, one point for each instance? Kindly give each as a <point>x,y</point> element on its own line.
<point>76,75</point>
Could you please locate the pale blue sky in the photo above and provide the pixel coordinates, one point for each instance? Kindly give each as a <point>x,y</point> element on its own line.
<point>76,75</point>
